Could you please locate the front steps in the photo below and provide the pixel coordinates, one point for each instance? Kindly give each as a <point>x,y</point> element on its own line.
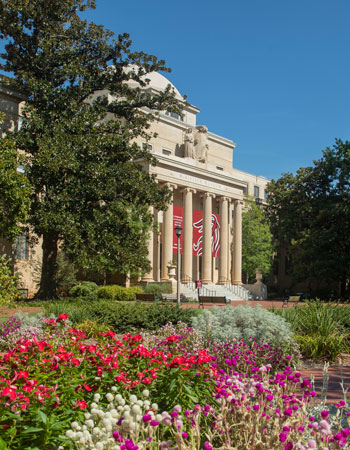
<point>231,292</point>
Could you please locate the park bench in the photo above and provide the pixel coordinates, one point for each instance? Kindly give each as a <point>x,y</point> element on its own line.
<point>172,298</point>
<point>202,299</point>
<point>291,299</point>
<point>147,297</point>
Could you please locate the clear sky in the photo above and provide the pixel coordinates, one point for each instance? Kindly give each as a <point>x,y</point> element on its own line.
<point>271,75</point>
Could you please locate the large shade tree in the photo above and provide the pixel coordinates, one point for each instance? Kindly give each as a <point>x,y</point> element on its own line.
<point>257,248</point>
<point>90,193</point>
<point>310,215</point>
<point>14,189</point>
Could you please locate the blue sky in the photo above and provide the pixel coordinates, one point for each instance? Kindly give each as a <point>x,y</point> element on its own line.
<point>271,75</point>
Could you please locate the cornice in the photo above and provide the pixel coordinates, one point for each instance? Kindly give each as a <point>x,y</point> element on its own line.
<point>171,163</point>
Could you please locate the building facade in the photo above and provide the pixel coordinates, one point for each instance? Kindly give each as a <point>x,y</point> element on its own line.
<point>207,199</point>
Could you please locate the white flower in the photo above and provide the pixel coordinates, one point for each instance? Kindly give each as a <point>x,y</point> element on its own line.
<point>99,445</point>
<point>70,434</point>
<point>96,431</point>
<point>87,415</point>
<point>89,423</point>
<point>74,425</point>
<point>114,389</point>
<point>118,397</point>
<point>109,397</point>
<point>133,399</point>
<point>136,409</point>
<point>145,393</point>
<point>155,406</point>
<point>97,398</point>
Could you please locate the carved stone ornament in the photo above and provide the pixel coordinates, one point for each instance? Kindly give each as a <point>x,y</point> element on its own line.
<point>196,143</point>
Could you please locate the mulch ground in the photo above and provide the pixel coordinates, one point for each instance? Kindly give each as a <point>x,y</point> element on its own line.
<point>337,372</point>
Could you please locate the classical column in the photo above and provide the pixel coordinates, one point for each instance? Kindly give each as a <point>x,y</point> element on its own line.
<point>148,277</point>
<point>167,238</point>
<point>230,229</point>
<point>237,243</point>
<point>206,255</point>
<point>223,240</point>
<point>187,235</point>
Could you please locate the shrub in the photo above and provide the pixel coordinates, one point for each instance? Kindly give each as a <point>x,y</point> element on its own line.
<point>158,289</point>
<point>227,323</point>
<point>122,317</point>
<point>8,283</point>
<point>119,293</point>
<point>84,289</point>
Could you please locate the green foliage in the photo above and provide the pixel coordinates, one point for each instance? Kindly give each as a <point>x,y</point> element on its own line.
<point>122,317</point>
<point>322,330</point>
<point>310,214</point>
<point>66,272</point>
<point>8,283</point>
<point>89,191</point>
<point>84,289</point>
<point>120,293</point>
<point>257,248</point>
<point>91,328</point>
<point>14,190</point>
<point>158,289</point>
<point>224,324</point>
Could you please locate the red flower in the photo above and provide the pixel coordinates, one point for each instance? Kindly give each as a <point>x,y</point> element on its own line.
<point>172,338</point>
<point>82,404</point>
<point>62,317</point>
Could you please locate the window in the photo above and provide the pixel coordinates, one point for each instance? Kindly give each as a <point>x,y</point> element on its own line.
<point>174,115</point>
<point>166,152</point>
<point>256,191</point>
<point>219,168</point>
<point>21,245</point>
<point>19,123</point>
<point>146,146</point>
<point>245,190</point>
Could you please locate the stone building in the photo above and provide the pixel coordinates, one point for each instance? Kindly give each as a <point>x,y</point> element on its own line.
<point>207,198</point>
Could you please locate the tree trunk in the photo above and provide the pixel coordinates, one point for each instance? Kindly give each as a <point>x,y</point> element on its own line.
<point>48,283</point>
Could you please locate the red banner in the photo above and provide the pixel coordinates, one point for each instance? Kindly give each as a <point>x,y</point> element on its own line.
<point>177,220</point>
<point>198,233</point>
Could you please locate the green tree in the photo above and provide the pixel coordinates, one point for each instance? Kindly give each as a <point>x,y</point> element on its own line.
<point>90,192</point>
<point>14,190</point>
<point>310,215</point>
<point>257,248</point>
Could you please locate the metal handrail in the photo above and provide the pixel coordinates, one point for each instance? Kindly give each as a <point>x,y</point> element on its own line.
<point>188,282</point>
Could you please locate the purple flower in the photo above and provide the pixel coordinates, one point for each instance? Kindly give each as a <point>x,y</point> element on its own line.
<point>154,423</point>
<point>146,418</point>
<point>283,437</point>
<point>184,435</point>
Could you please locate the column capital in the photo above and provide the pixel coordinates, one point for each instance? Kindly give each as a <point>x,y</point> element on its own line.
<point>185,190</point>
<point>238,202</point>
<point>223,199</point>
<point>207,194</point>
<point>171,186</point>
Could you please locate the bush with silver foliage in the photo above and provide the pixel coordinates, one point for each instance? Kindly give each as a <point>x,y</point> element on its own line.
<point>227,323</point>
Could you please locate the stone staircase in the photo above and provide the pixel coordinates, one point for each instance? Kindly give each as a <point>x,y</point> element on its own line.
<point>231,292</point>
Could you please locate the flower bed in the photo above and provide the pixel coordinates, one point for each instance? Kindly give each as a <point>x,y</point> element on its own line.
<point>157,390</point>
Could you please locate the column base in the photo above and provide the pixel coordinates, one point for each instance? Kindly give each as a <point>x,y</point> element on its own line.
<point>207,282</point>
<point>163,280</point>
<point>222,282</point>
<point>147,280</point>
<point>237,282</point>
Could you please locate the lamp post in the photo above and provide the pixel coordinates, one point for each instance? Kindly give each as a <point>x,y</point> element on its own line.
<point>178,231</point>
